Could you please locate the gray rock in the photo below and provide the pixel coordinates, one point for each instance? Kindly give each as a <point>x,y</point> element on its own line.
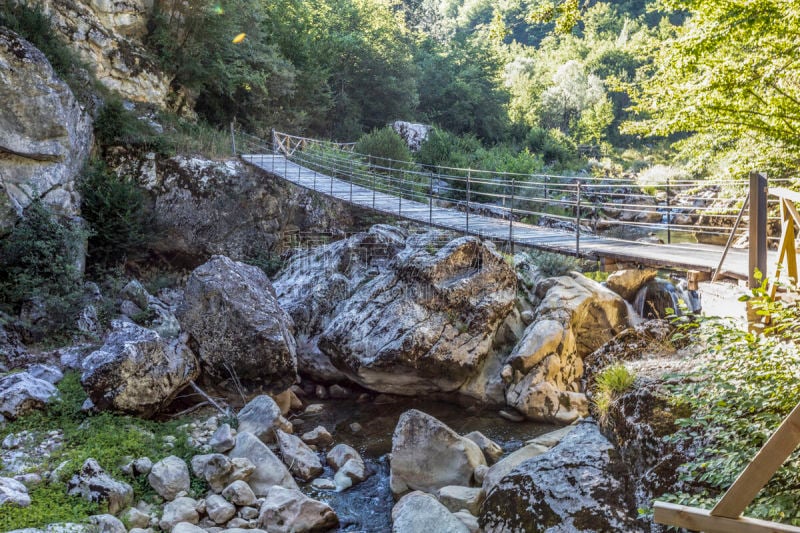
<point>248,513</point>
<point>241,333</point>
<point>456,498</point>
<point>289,510</point>
<point>44,134</point>
<point>137,371</point>
<point>491,450</point>
<point>427,455</point>
<point>21,393</point>
<point>223,439</point>
<point>136,518</point>
<point>219,509</point>
<point>500,469</point>
<point>340,454</point>
<point>469,520</point>
<point>187,527</point>
<point>300,459</point>
<point>169,477</point>
<point>579,485</point>
<point>48,373</point>
<point>94,484</point>
<point>220,471</point>
<point>426,323</point>
<point>13,492</point>
<point>417,511</point>
<point>269,469</point>
<point>319,436</point>
<point>107,523</point>
<point>261,417</point>
<point>180,509</point>
<point>239,493</point>
<point>323,484</point>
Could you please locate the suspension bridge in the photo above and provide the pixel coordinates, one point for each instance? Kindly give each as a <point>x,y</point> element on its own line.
<point>579,216</point>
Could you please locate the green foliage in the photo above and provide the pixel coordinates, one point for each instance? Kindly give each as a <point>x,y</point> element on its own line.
<point>117,212</point>
<point>116,125</point>
<point>39,264</point>
<point>109,438</point>
<point>552,264</point>
<point>386,145</point>
<point>740,394</point>
<point>609,384</point>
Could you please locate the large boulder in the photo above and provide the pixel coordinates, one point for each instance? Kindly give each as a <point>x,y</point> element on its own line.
<point>45,136</point>
<point>169,477</point>
<point>300,459</point>
<point>137,371</point>
<point>289,510</point>
<point>262,417</point>
<point>412,320</point>
<point>237,327</point>
<point>21,393</point>
<point>627,282</point>
<point>574,318</point>
<point>270,471</point>
<point>427,455</point>
<point>12,492</point>
<point>418,511</point>
<point>579,485</point>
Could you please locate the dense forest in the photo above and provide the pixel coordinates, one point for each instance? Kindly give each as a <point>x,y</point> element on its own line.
<point>714,80</point>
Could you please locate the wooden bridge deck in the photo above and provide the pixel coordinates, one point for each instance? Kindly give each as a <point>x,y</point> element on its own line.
<point>677,256</point>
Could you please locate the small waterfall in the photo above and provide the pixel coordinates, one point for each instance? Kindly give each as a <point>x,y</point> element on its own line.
<point>654,298</point>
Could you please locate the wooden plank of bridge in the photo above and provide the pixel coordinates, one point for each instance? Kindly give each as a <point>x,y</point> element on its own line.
<point>701,520</point>
<point>694,257</point>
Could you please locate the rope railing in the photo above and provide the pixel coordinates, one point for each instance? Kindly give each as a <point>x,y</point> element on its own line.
<point>587,203</point>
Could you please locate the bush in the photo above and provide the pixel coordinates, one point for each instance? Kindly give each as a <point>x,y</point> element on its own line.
<point>553,145</point>
<point>552,264</point>
<point>738,396</point>
<point>115,125</point>
<point>115,208</point>
<point>385,144</point>
<point>39,264</point>
<point>609,384</point>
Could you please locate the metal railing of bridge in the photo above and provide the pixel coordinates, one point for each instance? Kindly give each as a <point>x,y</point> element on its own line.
<point>676,210</point>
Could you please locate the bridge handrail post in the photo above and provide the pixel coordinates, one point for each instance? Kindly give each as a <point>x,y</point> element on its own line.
<point>469,172</point>
<point>233,138</point>
<point>669,215</point>
<point>578,219</point>
<point>351,181</point>
<point>430,198</point>
<point>511,219</point>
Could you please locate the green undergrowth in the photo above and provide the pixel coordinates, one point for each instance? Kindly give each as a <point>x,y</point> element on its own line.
<point>609,384</point>
<point>738,396</point>
<point>109,438</point>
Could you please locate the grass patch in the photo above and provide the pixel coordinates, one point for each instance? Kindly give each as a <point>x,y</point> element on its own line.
<point>609,384</point>
<point>109,438</point>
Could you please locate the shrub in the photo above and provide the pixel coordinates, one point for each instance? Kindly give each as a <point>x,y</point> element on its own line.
<point>738,396</point>
<point>116,125</point>
<point>115,208</point>
<point>385,144</point>
<point>552,264</point>
<point>553,145</point>
<point>39,263</point>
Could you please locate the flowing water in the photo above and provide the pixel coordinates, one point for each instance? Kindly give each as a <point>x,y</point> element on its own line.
<point>367,506</point>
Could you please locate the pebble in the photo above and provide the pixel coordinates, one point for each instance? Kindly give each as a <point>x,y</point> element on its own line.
<point>323,484</point>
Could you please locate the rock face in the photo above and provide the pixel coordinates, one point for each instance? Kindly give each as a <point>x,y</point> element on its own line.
<point>579,485</point>
<point>45,136</point>
<point>21,393</point>
<point>237,328</point>
<point>227,208</point>
<point>397,315</point>
<point>418,511</point>
<point>574,318</point>
<point>137,371</point>
<point>413,134</point>
<point>107,36</point>
<point>427,455</point>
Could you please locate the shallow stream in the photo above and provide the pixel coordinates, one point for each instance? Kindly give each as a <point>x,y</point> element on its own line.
<point>367,506</point>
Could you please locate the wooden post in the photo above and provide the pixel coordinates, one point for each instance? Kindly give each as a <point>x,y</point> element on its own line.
<point>758,226</point>
<point>669,216</point>
<point>233,139</point>
<point>578,219</point>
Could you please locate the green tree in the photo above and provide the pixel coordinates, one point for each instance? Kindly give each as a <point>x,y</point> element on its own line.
<point>730,72</point>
